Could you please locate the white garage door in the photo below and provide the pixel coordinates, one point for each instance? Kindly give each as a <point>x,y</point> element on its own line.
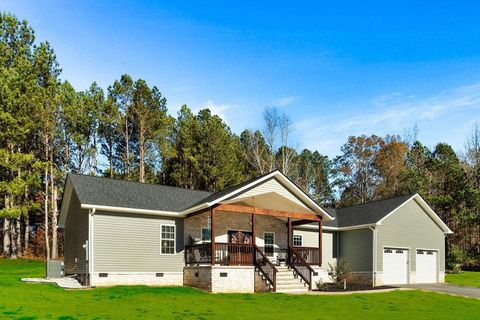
<point>395,266</point>
<point>426,266</point>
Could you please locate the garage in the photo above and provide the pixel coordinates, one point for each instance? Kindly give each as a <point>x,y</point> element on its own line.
<point>395,266</point>
<point>426,266</point>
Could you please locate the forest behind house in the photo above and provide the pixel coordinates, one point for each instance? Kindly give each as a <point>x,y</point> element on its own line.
<point>125,131</point>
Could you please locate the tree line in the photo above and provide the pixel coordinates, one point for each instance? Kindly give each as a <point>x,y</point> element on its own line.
<point>49,129</point>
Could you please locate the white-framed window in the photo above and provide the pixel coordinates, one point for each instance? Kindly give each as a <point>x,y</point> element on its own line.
<point>206,234</point>
<point>269,243</point>
<point>297,240</point>
<point>167,239</point>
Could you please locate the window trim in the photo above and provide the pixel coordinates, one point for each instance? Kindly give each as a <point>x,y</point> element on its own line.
<point>174,239</point>
<point>273,244</point>
<point>301,240</point>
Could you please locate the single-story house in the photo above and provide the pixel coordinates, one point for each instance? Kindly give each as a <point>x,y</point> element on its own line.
<point>265,234</point>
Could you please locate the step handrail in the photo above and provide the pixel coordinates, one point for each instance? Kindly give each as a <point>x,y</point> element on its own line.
<point>305,275</point>
<point>269,271</point>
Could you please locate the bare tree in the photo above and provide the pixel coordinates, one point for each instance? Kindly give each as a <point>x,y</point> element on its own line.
<point>287,153</point>
<point>272,121</point>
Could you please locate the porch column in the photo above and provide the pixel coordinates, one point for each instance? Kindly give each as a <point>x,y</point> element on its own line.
<point>212,234</point>
<point>289,238</point>
<point>320,227</point>
<point>254,233</point>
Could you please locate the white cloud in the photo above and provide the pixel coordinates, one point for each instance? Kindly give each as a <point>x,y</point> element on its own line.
<point>284,101</point>
<point>392,113</point>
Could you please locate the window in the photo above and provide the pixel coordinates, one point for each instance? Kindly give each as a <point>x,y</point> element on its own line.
<point>297,240</point>
<point>167,239</point>
<point>206,234</point>
<point>269,243</point>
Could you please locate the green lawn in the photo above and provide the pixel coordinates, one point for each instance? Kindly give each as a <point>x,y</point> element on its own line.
<point>44,301</point>
<point>466,278</point>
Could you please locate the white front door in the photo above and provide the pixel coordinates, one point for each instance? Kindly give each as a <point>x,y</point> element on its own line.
<point>395,266</point>
<point>426,266</point>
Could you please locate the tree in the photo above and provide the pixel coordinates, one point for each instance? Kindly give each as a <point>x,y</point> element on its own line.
<point>357,175</point>
<point>109,123</point>
<point>149,115</point>
<point>390,163</point>
<point>256,152</point>
<point>121,94</point>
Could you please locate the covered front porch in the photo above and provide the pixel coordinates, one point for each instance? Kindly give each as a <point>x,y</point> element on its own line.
<point>242,235</point>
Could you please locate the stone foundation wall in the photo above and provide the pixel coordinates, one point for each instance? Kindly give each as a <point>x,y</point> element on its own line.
<point>198,277</point>
<point>150,279</point>
<point>261,284</point>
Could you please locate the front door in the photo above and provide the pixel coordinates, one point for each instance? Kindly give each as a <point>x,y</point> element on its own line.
<point>238,253</point>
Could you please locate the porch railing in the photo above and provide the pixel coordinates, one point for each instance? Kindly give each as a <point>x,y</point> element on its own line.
<point>310,254</point>
<point>198,254</point>
<point>225,254</point>
<point>301,267</point>
<point>266,267</point>
<point>234,254</point>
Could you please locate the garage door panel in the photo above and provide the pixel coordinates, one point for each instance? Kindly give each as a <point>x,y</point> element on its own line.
<point>395,266</point>
<point>426,266</point>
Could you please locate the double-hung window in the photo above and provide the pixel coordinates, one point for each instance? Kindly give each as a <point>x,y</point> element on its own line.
<point>167,239</point>
<point>297,240</point>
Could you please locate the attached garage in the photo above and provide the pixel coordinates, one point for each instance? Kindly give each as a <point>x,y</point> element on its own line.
<point>426,266</point>
<point>395,266</point>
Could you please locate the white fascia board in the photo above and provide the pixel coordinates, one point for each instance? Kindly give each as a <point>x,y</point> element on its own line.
<point>268,176</point>
<point>361,226</point>
<point>426,207</point>
<point>433,215</point>
<point>130,210</point>
<point>67,195</point>
<point>304,196</point>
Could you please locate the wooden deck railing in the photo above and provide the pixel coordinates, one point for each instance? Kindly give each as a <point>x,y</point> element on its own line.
<point>301,267</point>
<point>310,254</point>
<point>225,254</point>
<point>266,267</point>
<point>198,254</point>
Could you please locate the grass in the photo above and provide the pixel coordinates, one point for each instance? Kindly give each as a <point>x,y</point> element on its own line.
<point>466,278</point>
<point>45,301</point>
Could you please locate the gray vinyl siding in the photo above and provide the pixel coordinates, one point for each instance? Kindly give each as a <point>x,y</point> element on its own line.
<point>131,243</point>
<point>355,246</point>
<point>76,235</point>
<point>410,227</point>
<point>310,239</point>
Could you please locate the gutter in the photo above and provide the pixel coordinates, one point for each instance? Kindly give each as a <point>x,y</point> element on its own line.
<point>130,210</point>
<point>374,255</point>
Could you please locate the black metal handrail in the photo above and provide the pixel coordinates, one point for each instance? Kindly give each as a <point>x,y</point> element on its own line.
<point>301,267</point>
<point>266,267</point>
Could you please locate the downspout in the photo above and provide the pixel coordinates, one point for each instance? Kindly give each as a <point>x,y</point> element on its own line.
<point>91,213</point>
<point>374,256</point>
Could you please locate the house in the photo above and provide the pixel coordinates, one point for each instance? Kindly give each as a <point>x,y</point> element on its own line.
<point>265,234</point>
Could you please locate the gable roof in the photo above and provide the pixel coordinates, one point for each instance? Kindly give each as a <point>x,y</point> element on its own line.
<point>239,188</point>
<point>126,194</point>
<point>373,213</point>
<point>366,213</point>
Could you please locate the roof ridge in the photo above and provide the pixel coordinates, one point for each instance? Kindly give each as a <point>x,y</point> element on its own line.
<point>136,182</point>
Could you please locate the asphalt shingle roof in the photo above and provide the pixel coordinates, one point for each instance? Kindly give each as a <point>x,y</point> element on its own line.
<point>118,193</point>
<point>366,213</point>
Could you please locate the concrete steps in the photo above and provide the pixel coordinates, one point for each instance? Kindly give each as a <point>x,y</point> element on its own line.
<point>288,283</point>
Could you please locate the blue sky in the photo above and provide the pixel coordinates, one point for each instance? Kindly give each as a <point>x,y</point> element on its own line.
<point>335,68</point>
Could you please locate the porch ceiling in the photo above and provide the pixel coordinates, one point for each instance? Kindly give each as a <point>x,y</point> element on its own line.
<point>271,201</point>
